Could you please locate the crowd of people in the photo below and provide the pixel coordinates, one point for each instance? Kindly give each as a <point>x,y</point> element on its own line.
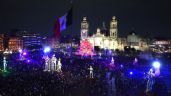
<point>80,76</point>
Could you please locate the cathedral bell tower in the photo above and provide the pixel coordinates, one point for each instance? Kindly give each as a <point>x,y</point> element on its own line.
<point>84,28</point>
<point>113,28</point>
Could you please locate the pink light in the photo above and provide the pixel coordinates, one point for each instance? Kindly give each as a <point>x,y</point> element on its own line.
<point>24,53</point>
<point>86,48</point>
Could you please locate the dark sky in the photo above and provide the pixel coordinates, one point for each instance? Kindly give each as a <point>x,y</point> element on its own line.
<point>153,16</point>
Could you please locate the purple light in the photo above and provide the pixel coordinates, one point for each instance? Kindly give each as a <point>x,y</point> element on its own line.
<point>28,61</point>
<point>24,53</point>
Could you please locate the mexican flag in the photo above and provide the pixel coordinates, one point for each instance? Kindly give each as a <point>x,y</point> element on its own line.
<point>62,23</point>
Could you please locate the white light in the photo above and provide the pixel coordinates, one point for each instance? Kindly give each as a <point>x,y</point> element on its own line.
<point>151,70</point>
<point>10,52</point>
<point>20,50</point>
<point>156,64</point>
<point>47,49</point>
<point>131,73</point>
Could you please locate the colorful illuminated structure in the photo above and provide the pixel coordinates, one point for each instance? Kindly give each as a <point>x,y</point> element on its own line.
<point>156,66</point>
<point>91,72</point>
<point>47,62</point>
<point>86,48</point>
<point>53,62</point>
<point>59,66</point>
<point>4,64</point>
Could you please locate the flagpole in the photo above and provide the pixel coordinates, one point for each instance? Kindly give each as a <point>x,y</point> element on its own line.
<point>71,2</point>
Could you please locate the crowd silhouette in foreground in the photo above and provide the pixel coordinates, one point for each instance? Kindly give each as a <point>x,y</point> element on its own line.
<point>29,79</point>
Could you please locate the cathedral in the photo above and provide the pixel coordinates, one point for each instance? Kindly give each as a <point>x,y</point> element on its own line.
<point>100,39</point>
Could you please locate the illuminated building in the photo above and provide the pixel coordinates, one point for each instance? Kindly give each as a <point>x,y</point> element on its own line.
<point>84,29</point>
<point>161,45</point>
<point>15,43</point>
<point>31,39</point>
<point>99,39</point>
<point>1,42</point>
<point>135,41</point>
<point>102,40</point>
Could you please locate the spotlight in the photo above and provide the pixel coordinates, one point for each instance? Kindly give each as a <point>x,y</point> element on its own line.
<point>28,61</point>
<point>20,50</point>
<point>24,53</point>
<point>156,64</point>
<point>131,73</point>
<point>121,66</point>
<point>46,49</point>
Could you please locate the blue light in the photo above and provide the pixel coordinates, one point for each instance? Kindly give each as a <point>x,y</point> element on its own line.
<point>156,64</point>
<point>131,73</point>
<point>46,49</point>
<point>121,66</point>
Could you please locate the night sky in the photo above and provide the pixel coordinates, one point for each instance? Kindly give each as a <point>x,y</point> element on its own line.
<point>142,16</point>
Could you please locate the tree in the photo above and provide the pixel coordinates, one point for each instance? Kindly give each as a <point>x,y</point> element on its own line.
<point>86,48</point>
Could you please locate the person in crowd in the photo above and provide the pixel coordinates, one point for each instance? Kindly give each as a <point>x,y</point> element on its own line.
<point>31,80</point>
